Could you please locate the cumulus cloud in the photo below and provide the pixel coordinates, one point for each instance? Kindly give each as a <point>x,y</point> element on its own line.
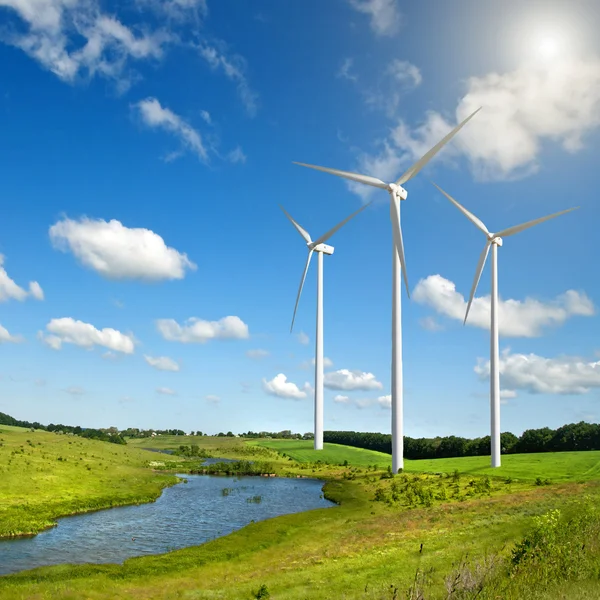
<point>199,331</point>
<point>516,318</point>
<point>158,117</point>
<point>341,399</point>
<point>384,14</point>
<point>281,387</point>
<point>360,403</point>
<point>212,398</point>
<point>257,353</point>
<point>343,379</point>
<point>566,375</point>
<point>162,363</point>
<point>5,336</point>
<point>72,38</point>
<point>523,110</point>
<point>9,290</point>
<point>69,331</point>
<point>166,391</point>
<point>303,338</point>
<point>234,68</point>
<point>119,252</point>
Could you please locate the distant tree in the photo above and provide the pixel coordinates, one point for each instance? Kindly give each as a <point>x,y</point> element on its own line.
<point>229,434</point>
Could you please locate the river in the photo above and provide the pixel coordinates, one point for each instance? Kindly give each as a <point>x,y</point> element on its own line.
<point>187,514</point>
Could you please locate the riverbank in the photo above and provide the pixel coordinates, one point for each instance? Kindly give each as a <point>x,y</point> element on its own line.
<point>45,476</point>
<point>387,534</point>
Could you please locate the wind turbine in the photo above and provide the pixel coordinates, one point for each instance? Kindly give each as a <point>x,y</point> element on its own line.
<point>494,240</point>
<point>320,248</point>
<point>397,193</point>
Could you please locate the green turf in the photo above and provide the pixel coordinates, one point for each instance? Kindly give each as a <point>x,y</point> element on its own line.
<point>556,466</point>
<point>45,475</point>
<point>363,549</point>
<point>302,451</point>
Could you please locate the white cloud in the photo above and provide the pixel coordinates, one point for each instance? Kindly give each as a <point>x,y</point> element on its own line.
<point>206,116</point>
<point>234,68</point>
<point>257,353</point>
<point>303,338</point>
<point>344,70</point>
<point>35,290</point>
<point>178,10</point>
<point>281,387</point>
<point>343,379</point>
<point>70,38</point>
<point>9,290</point>
<point>430,324</point>
<point>162,363</point>
<point>198,331</point>
<point>68,331</point>
<point>5,336</point>
<point>166,391</point>
<point>327,363</point>
<point>399,77</point>
<point>156,116</point>
<point>341,399</point>
<point>213,398</point>
<point>75,390</point>
<point>237,156</point>
<point>523,109</point>
<point>109,355</point>
<point>119,252</point>
<point>516,318</point>
<point>568,375</point>
<point>385,14</point>
<point>385,401</point>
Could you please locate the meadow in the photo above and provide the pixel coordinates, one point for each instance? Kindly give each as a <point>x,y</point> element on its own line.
<point>417,535</point>
<point>46,475</point>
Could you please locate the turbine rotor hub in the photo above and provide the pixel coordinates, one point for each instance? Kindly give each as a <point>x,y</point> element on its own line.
<point>495,240</point>
<point>398,191</point>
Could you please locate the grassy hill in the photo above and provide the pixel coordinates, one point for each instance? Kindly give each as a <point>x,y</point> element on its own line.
<point>46,475</point>
<point>556,466</point>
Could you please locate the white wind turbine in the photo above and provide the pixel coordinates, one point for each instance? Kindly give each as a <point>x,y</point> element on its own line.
<point>397,193</point>
<point>494,240</point>
<point>320,248</point>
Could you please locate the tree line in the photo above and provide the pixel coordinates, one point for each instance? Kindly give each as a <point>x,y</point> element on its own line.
<point>111,434</point>
<point>571,437</point>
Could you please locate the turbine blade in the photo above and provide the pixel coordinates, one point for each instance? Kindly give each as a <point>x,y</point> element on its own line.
<point>397,234</point>
<point>482,258</point>
<point>327,235</point>
<point>412,171</point>
<point>366,179</point>
<point>300,229</point>
<point>310,253</point>
<point>479,224</point>
<point>518,228</point>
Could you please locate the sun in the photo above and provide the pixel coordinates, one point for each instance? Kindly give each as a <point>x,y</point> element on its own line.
<point>548,47</point>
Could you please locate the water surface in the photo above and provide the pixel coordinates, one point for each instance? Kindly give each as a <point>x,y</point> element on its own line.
<point>185,515</point>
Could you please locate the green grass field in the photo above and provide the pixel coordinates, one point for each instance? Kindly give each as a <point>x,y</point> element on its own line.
<point>46,475</point>
<point>363,549</point>
<point>556,466</point>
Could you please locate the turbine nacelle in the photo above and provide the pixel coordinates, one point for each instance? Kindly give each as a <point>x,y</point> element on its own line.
<point>398,191</point>
<point>324,248</point>
<point>493,239</point>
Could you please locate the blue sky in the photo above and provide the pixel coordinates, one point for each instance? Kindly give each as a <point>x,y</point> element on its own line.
<point>150,277</point>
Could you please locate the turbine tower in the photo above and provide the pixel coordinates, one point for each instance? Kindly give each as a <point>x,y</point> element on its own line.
<point>320,248</point>
<point>494,240</point>
<point>397,193</point>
